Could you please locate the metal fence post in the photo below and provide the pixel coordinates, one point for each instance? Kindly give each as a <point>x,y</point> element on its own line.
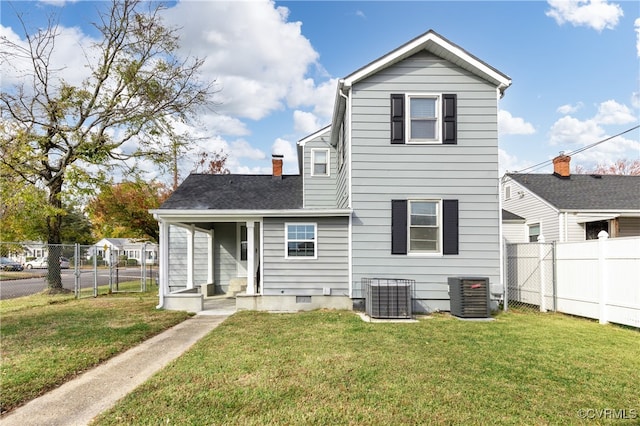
<point>541,246</point>
<point>76,269</point>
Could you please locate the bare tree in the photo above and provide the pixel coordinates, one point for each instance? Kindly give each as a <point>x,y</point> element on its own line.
<point>621,166</point>
<point>211,163</point>
<point>53,134</point>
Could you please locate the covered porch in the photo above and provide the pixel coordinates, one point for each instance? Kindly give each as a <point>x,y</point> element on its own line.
<point>201,260</point>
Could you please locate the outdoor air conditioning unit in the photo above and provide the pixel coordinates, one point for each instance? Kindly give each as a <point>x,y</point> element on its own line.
<point>388,297</point>
<point>470,297</point>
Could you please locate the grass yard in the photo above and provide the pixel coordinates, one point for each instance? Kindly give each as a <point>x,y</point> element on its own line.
<point>46,340</point>
<point>332,368</point>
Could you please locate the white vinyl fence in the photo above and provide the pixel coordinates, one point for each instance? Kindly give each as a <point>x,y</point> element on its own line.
<point>597,279</point>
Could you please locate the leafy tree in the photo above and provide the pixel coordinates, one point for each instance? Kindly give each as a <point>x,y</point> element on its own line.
<point>122,210</point>
<point>53,134</point>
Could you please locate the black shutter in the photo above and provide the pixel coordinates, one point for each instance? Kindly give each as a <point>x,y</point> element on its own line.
<point>398,226</point>
<point>450,226</point>
<point>449,114</point>
<point>397,119</point>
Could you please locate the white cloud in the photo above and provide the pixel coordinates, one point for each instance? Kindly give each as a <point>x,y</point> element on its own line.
<point>242,149</point>
<point>569,109</point>
<point>255,55</point>
<point>570,134</point>
<point>287,149</point>
<point>305,122</point>
<point>611,112</point>
<point>636,25</point>
<point>361,14</point>
<point>597,14</point>
<point>635,99</point>
<point>510,125</point>
<point>510,163</point>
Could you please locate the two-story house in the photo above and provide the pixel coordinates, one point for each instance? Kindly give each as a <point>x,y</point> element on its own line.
<point>403,185</point>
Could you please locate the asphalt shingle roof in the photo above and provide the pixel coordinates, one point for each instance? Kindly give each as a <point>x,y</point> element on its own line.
<point>584,192</point>
<point>236,192</point>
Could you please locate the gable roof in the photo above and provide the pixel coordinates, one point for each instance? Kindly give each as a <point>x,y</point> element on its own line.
<point>508,216</point>
<point>430,41</point>
<point>236,192</point>
<point>584,192</point>
<point>440,46</point>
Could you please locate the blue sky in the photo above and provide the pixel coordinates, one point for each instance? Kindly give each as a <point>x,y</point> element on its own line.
<point>574,66</point>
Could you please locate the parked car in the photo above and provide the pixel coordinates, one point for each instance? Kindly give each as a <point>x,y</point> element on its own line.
<point>42,263</point>
<point>37,263</point>
<point>7,264</point>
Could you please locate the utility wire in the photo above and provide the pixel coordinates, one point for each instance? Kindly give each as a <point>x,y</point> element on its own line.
<point>577,151</point>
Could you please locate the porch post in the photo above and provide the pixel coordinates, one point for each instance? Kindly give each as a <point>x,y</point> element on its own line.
<point>210,257</point>
<point>190,245</point>
<point>163,262</point>
<point>251,288</point>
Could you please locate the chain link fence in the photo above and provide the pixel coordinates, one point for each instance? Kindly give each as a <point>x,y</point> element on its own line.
<point>32,268</point>
<point>530,275</point>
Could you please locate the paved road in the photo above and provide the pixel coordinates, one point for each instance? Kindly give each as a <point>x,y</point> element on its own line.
<point>10,289</point>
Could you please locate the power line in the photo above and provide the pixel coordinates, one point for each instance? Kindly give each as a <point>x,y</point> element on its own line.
<point>577,151</point>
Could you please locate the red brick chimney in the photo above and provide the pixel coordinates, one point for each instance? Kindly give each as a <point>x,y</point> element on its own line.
<point>276,161</point>
<point>561,166</point>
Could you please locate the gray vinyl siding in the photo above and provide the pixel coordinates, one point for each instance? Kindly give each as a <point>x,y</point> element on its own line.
<point>467,172</point>
<point>224,249</point>
<point>342,189</point>
<point>177,257</point>
<point>629,226</point>
<point>200,258</point>
<point>304,277</point>
<point>320,191</point>
<point>527,205</point>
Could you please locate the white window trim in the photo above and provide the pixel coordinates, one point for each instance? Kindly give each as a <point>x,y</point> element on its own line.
<point>313,155</point>
<point>507,192</point>
<point>529,225</point>
<point>315,241</point>
<point>439,225</point>
<point>407,118</point>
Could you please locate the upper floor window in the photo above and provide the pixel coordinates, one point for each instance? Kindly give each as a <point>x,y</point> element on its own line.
<point>424,118</point>
<point>507,192</point>
<point>319,162</point>
<point>300,240</point>
<point>422,125</point>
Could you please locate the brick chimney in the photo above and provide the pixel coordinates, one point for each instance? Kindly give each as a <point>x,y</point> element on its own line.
<point>276,161</point>
<point>561,166</point>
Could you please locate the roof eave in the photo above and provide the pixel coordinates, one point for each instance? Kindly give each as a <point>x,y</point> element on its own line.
<point>209,215</point>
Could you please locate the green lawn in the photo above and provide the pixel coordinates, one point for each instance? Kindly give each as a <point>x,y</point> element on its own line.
<point>332,368</point>
<point>46,340</point>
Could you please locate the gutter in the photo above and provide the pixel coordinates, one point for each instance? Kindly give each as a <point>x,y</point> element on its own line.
<point>339,108</point>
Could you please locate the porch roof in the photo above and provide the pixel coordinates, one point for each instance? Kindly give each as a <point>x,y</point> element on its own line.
<point>236,192</point>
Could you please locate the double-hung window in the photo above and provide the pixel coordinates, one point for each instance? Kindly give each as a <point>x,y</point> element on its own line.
<point>424,118</point>
<point>422,125</point>
<point>301,241</point>
<point>424,227</point>
<point>320,162</point>
<point>534,232</point>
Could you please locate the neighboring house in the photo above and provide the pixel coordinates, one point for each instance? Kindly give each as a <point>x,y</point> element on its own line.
<point>514,227</point>
<point>115,248</point>
<point>403,184</point>
<point>567,208</point>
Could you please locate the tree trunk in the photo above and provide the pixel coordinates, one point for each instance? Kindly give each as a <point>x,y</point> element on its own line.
<point>54,221</point>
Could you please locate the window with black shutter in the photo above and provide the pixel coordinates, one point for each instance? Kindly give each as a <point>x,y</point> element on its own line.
<point>418,225</point>
<point>424,118</point>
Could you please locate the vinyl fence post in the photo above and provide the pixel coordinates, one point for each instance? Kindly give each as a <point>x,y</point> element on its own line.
<point>95,272</point>
<point>143,268</point>
<point>541,246</point>
<point>603,236</point>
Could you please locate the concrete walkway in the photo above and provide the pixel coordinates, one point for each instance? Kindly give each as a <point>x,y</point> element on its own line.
<point>83,398</point>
